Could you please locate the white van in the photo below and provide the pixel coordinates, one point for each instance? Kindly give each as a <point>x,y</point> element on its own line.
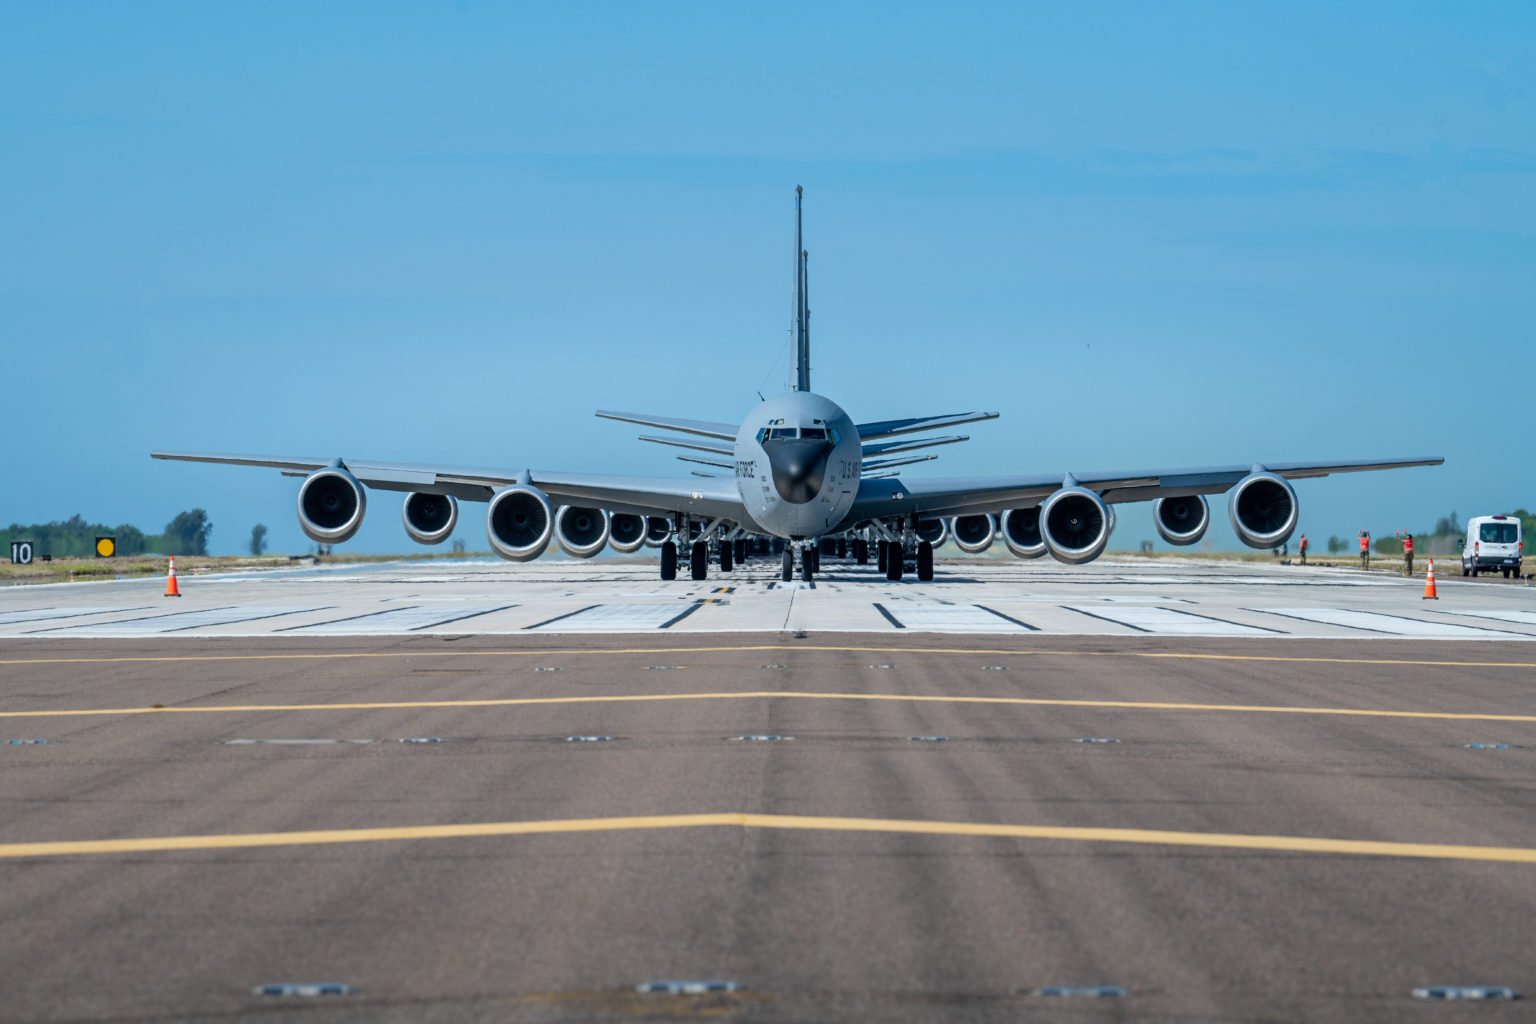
<point>1493,542</point>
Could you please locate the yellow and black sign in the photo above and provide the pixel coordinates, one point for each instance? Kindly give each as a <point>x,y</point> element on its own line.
<point>106,547</point>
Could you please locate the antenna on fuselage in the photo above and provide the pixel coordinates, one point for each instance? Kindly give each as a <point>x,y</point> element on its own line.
<point>802,312</point>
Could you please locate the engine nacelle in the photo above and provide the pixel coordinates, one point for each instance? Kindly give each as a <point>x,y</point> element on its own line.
<point>519,523</point>
<point>973,534</point>
<point>657,531</point>
<point>1183,520</point>
<point>429,518</point>
<point>626,532</point>
<point>331,506</point>
<point>1263,510</point>
<point>1020,528</point>
<point>581,532</point>
<point>934,531</point>
<point>1074,523</point>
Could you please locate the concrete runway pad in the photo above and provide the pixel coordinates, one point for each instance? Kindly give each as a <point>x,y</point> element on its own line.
<point>1111,597</point>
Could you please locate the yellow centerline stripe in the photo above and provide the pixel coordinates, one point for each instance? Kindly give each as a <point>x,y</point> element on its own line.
<point>574,652</point>
<point>1217,840</point>
<point>1138,705</point>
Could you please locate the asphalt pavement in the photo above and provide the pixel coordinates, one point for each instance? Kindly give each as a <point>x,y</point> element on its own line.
<point>916,827</point>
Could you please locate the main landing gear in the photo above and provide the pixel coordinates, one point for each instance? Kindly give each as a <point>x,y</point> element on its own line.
<point>808,562</point>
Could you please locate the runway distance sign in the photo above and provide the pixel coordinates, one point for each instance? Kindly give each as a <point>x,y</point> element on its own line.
<point>21,552</point>
<point>106,547</point>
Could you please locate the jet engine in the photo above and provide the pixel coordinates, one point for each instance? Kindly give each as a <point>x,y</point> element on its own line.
<point>1263,510</point>
<point>331,505</point>
<point>1020,528</point>
<point>934,531</point>
<point>626,532</point>
<point>429,518</point>
<point>1074,522</point>
<point>581,532</point>
<point>657,530</point>
<point>519,523</point>
<point>1183,520</point>
<point>973,534</point>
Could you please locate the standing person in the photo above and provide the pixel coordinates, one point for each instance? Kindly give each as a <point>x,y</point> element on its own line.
<point>1303,549</point>
<point>1365,549</point>
<point>1408,554</point>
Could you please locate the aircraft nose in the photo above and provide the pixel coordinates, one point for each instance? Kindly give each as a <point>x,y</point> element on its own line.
<point>799,467</point>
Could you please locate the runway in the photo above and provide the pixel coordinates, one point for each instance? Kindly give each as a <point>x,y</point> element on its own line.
<point>1128,597</point>
<point>892,824</point>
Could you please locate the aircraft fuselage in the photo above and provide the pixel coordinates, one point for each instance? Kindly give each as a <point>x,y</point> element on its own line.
<point>798,462</point>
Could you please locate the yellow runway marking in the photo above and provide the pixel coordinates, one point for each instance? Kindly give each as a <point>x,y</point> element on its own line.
<point>1217,840</point>
<point>548,652</point>
<point>492,702</point>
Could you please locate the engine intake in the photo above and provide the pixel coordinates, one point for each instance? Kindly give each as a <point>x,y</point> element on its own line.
<point>581,532</point>
<point>429,518</point>
<point>1020,528</point>
<point>657,530</point>
<point>626,532</point>
<point>1263,510</point>
<point>973,534</point>
<point>934,531</point>
<point>1074,522</point>
<point>1181,521</point>
<point>519,523</point>
<point>331,506</point>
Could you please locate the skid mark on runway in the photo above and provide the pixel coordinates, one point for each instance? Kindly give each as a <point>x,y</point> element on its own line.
<point>506,702</point>
<point>950,618</point>
<point>398,620</point>
<point>42,614</point>
<point>888,826</point>
<point>1170,621</point>
<point>618,618</point>
<point>1503,615</point>
<point>1378,622</point>
<point>176,621</point>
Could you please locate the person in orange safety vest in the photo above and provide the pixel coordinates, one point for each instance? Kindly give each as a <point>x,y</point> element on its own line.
<point>1408,554</point>
<point>1303,549</point>
<point>1365,549</point>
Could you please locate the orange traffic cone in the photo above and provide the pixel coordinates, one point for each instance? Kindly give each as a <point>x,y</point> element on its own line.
<point>1429,583</point>
<point>171,589</point>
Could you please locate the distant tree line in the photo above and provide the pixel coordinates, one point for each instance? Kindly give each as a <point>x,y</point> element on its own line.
<point>187,534</point>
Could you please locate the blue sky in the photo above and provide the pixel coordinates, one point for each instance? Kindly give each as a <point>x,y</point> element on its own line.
<point>1149,235</point>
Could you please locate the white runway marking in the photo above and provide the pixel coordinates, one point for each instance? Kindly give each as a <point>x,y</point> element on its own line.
<point>950,618</point>
<point>40,614</point>
<point>1169,621</point>
<point>1377,622</point>
<point>617,618</point>
<point>1507,615</point>
<point>175,621</point>
<point>398,620</point>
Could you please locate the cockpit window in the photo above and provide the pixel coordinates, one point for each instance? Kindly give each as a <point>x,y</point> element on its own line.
<point>781,433</point>
<point>813,433</point>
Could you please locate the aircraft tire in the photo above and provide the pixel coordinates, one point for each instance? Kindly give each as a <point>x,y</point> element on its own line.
<point>727,549</point>
<point>861,551</point>
<point>699,561</point>
<point>842,547</point>
<point>881,552</point>
<point>789,566</point>
<point>893,562</point>
<point>925,561</point>
<point>669,561</point>
<point>808,568</point>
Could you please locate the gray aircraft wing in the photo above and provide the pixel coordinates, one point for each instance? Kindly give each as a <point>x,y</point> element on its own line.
<point>641,495</point>
<point>890,428</point>
<point>970,495</point>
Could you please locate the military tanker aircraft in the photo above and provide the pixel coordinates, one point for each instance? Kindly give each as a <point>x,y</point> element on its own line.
<point>798,470</point>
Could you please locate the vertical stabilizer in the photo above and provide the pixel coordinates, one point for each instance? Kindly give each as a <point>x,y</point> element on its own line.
<point>802,313</point>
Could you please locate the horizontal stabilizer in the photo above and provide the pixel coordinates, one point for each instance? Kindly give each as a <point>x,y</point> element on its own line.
<point>890,428</point>
<point>703,428</point>
<point>892,463</point>
<point>912,445</point>
<point>693,445</point>
<point>705,462</point>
